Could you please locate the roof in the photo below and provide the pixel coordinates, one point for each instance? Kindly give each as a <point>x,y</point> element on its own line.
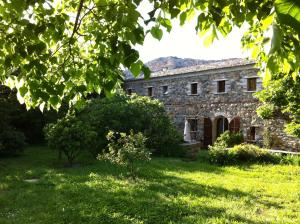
<point>226,63</point>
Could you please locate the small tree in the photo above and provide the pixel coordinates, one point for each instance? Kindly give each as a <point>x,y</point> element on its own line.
<point>126,150</point>
<point>70,136</point>
<point>230,138</point>
<point>123,113</point>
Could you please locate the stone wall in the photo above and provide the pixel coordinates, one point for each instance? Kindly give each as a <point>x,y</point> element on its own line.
<point>279,138</point>
<point>236,101</point>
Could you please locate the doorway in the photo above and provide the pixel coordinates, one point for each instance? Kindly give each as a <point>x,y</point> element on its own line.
<point>207,136</point>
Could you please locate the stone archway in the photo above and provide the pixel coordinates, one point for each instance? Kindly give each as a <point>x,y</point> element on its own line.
<point>220,125</point>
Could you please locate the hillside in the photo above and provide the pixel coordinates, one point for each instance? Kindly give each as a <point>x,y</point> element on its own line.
<point>170,63</point>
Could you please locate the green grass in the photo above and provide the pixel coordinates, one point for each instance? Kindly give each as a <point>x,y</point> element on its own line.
<point>167,191</point>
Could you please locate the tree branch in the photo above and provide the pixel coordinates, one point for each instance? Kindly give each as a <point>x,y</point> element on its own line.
<point>77,18</point>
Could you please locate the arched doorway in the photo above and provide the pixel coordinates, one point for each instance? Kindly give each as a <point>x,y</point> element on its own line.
<point>234,125</point>
<point>222,125</point>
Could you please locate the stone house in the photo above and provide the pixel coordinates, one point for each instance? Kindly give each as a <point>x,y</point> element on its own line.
<point>213,98</point>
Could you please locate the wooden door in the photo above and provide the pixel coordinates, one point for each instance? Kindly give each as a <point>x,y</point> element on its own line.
<point>234,125</point>
<point>207,140</point>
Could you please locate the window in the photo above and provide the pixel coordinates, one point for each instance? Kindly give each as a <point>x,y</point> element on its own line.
<point>129,91</point>
<point>165,89</point>
<point>221,86</point>
<point>194,128</point>
<point>150,91</point>
<point>251,84</point>
<point>194,88</point>
<point>251,134</point>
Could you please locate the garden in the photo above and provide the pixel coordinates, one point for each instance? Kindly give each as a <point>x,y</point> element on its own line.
<point>85,154</point>
<point>119,160</point>
<point>36,188</point>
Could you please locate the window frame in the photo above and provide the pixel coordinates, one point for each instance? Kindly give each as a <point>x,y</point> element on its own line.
<point>152,91</point>
<point>218,86</point>
<point>193,122</point>
<point>252,131</point>
<point>165,92</point>
<point>248,84</point>
<point>194,86</point>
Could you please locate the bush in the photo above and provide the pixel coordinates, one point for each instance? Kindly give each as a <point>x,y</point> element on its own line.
<point>265,111</point>
<point>126,150</point>
<point>218,153</point>
<point>11,141</point>
<point>231,139</point>
<point>242,153</point>
<point>141,114</point>
<point>250,153</point>
<point>70,136</point>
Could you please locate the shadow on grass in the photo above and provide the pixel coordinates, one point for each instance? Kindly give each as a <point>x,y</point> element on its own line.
<point>95,193</point>
<point>76,201</point>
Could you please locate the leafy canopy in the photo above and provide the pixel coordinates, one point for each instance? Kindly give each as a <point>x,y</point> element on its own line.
<point>54,50</point>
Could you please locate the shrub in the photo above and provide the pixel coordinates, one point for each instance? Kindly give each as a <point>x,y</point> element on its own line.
<point>126,150</point>
<point>242,153</point>
<point>141,114</point>
<point>249,153</point>
<point>230,138</point>
<point>289,160</point>
<point>70,136</point>
<point>265,111</point>
<point>11,141</point>
<point>219,154</point>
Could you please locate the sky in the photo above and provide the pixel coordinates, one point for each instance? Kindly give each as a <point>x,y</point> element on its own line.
<point>183,42</point>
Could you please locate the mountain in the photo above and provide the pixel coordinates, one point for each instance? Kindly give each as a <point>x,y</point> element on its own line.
<point>170,63</point>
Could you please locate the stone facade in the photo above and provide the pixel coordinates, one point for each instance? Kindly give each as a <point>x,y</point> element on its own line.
<point>213,97</point>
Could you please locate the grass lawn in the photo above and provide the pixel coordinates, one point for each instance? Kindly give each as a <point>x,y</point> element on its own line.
<point>168,191</point>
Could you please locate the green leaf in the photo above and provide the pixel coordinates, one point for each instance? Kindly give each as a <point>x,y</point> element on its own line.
<point>276,39</point>
<point>174,12</point>
<point>147,72</point>
<point>165,23</point>
<point>182,18</point>
<point>156,32</point>
<point>131,56</point>
<point>54,100</point>
<point>210,38</point>
<point>23,90</point>
<point>18,5</point>
<point>289,12</point>
<point>136,68</point>
<point>288,7</point>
